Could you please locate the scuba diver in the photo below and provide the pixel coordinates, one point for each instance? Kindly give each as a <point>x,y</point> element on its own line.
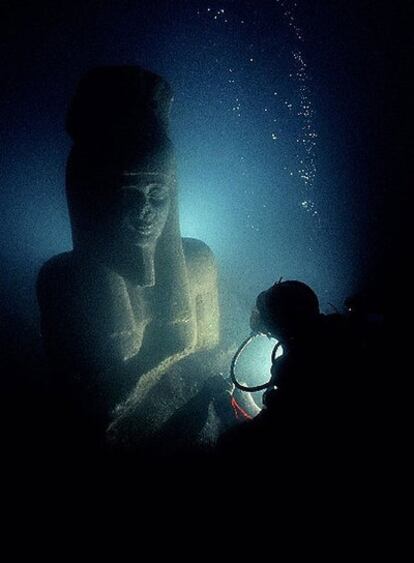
<point>307,397</point>
<point>311,341</point>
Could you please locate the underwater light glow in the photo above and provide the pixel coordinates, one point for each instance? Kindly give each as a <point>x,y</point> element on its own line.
<point>209,222</point>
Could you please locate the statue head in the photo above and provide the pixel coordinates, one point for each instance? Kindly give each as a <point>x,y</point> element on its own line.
<point>141,207</point>
<point>121,183</point>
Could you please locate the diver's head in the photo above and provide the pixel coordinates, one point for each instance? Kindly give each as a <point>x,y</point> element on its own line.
<point>287,310</point>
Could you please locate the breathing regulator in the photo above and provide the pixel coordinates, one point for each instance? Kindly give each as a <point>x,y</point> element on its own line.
<point>240,350</point>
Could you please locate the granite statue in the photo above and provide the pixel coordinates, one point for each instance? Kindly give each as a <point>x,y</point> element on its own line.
<point>133,297</point>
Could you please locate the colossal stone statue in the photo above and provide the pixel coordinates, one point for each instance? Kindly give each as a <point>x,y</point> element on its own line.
<point>132,298</point>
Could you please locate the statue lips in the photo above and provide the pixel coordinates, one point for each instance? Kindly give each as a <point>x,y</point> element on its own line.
<point>141,228</point>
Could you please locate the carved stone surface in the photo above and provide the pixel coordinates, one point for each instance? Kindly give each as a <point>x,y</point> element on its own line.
<point>132,298</point>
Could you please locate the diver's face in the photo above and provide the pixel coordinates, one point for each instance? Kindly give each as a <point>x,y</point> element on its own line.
<point>142,204</point>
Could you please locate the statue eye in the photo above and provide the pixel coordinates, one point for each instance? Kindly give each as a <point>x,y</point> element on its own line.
<point>158,193</point>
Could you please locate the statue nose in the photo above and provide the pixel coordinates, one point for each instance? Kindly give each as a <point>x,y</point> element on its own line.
<point>145,209</point>
<point>146,212</point>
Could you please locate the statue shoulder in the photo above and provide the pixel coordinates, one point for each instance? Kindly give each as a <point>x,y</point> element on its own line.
<point>70,275</point>
<point>197,248</point>
<point>199,258</point>
<point>70,272</point>
<point>203,285</point>
<point>55,272</point>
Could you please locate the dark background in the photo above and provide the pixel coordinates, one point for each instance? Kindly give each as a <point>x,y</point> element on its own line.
<point>357,54</point>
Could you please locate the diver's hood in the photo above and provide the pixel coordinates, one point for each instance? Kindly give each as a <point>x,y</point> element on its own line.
<point>288,308</point>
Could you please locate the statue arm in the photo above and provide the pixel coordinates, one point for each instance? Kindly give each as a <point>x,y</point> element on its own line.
<point>202,274</point>
<point>85,335</point>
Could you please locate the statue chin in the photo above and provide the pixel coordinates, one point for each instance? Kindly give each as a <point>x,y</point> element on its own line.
<point>144,237</point>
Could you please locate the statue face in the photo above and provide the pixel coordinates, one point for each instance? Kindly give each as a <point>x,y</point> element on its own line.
<point>142,203</point>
